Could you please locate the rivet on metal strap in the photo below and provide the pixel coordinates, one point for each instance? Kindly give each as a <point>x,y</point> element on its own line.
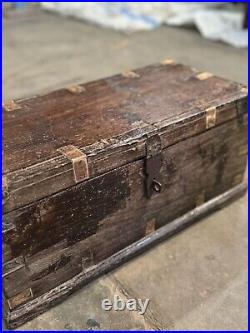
<point>20,298</point>
<point>204,76</point>
<point>237,179</point>
<point>76,89</point>
<point>200,199</point>
<point>244,90</point>
<point>12,266</point>
<point>167,62</point>
<point>10,106</point>
<point>130,74</point>
<point>79,162</point>
<point>150,227</point>
<point>243,150</point>
<point>5,191</point>
<point>210,117</point>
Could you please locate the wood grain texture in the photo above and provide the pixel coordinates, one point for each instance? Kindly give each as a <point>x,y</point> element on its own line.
<point>55,296</point>
<point>111,212</point>
<point>75,166</point>
<point>105,119</point>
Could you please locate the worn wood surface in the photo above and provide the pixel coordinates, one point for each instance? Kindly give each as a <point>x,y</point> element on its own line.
<point>104,109</point>
<point>105,119</point>
<point>110,212</point>
<point>74,178</point>
<point>39,305</point>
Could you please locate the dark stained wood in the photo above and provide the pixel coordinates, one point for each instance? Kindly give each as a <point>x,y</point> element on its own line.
<point>58,216</point>
<point>55,296</point>
<point>112,211</point>
<point>107,108</point>
<point>104,120</point>
<point>59,233</point>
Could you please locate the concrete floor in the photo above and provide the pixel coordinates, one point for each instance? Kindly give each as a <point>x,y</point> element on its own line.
<point>197,280</point>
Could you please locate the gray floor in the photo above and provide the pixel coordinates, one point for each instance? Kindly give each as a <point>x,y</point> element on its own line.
<point>197,280</point>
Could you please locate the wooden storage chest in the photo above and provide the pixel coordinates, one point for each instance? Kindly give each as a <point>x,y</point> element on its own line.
<point>95,173</point>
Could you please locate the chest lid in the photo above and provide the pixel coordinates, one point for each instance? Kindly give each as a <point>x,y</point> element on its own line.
<point>54,141</point>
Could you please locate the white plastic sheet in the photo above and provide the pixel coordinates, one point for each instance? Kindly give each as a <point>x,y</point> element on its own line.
<point>214,20</point>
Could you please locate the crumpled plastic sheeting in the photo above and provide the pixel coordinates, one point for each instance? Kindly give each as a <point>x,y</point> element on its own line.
<point>214,20</point>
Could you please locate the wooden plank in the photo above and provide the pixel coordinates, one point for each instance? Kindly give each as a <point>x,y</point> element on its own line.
<point>45,216</point>
<point>40,304</point>
<point>53,176</point>
<point>74,198</point>
<point>194,171</point>
<point>108,114</point>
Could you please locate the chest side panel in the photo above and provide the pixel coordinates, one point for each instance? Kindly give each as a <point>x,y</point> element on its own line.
<point>78,228</point>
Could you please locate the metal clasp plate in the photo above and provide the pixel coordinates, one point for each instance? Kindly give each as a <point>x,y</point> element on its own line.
<point>79,162</point>
<point>153,164</point>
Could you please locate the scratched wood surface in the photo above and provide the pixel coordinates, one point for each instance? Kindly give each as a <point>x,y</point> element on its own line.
<point>34,128</point>
<point>219,163</point>
<point>56,228</point>
<point>103,118</point>
<point>111,211</point>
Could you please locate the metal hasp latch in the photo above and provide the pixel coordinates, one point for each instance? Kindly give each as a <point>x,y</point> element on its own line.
<point>153,164</point>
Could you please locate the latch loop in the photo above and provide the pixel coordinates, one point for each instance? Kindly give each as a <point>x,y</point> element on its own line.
<point>153,164</point>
